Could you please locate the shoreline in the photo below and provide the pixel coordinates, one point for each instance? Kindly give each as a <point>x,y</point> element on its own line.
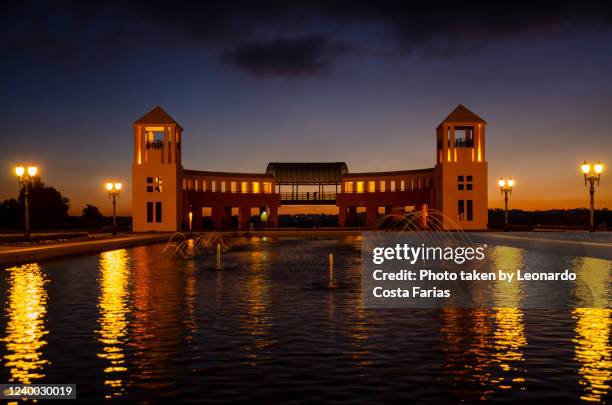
<point>22,254</point>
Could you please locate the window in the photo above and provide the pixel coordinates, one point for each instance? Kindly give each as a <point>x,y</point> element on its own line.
<point>348,186</point>
<point>204,185</point>
<point>244,187</point>
<point>233,186</point>
<point>460,209</point>
<point>149,212</point>
<point>402,185</point>
<point>256,187</point>
<point>196,183</point>
<point>190,184</point>
<point>223,187</point>
<point>154,184</point>
<point>371,186</point>
<point>392,185</point>
<point>213,186</point>
<point>460,183</point>
<point>267,187</point>
<point>470,212</point>
<point>382,186</point>
<point>184,184</point>
<point>360,186</point>
<point>468,184</point>
<point>158,211</point>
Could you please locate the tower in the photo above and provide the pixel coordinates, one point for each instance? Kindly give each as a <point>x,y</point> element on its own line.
<point>157,173</point>
<point>461,171</point>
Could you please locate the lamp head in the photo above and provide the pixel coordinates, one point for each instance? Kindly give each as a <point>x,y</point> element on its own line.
<point>501,182</point>
<point>598,167</point>
<point>118,186</point>
<point>32,171</point>
<point>510,183</point>
<point>19,170</point>
<point>585,167</point>
<point>109,186</point>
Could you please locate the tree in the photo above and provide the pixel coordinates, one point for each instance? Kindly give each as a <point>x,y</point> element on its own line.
<point>11,214</point>
<point>48,208</point>
<point>92,217</point>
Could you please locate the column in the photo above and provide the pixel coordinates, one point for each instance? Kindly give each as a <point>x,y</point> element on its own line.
<point>371,215</point>
<point>245,217</point>
<point>342,216</point>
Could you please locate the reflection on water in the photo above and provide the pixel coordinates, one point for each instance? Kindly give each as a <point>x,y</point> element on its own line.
<point>509,336</point>
<point>25,329</point>
<point>114,273</point>
<point>593,326</point>
<point>266,328</point>
<point>256,322</point>
<point>485,346</point>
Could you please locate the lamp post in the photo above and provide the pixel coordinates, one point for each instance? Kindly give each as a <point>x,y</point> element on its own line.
<point>113,191</point>
<point>26,178</point>
<point>592,174</point>
<point>505,187</point>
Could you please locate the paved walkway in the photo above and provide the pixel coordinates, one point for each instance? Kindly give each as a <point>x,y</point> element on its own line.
<point>14,255</point>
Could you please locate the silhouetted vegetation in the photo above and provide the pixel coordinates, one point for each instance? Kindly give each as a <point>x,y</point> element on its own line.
<point>48,208</point>
<point>574,218</point>
<point>92,217</point>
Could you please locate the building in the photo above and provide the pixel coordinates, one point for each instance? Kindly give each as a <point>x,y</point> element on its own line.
<point>166,197</point>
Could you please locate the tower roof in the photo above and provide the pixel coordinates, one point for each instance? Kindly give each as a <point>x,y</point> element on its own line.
<point>157,116</point>
<point>462,114</point>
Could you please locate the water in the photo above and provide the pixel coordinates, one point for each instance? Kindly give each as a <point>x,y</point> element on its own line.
<point>134,324</point>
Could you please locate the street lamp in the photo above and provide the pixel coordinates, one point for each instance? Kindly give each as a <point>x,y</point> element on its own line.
<point>505,187</point>
<point>592,174</point>
<point>26,178</point>
<point>113,191</point>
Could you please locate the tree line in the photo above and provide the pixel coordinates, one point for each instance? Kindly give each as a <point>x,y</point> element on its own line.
<point>48,210</point>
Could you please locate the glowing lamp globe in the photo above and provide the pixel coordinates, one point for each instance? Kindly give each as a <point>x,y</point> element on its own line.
<point>598,167</point>
<point>585,167</point>
<point>19,171</point>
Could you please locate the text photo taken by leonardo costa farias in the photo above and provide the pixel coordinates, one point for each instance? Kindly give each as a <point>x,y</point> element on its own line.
<point>300,202</point>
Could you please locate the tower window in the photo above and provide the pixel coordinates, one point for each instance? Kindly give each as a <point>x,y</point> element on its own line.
<point>149,212</point>
<point>460,209</point>
<point>470,212</point>
<point>158,211</point>
<point>154,184</point>
<point>460,183</point>
<point>468,185</point>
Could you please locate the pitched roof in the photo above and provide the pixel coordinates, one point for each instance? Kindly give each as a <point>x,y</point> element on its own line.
<point>462,114</point>
<point>157,116</point>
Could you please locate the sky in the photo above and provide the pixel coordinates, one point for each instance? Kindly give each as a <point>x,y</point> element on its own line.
<point>252,82</point>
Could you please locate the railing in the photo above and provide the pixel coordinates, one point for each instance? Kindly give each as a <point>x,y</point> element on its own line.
<point>308,196</point>
<point>464,143</point>
<point>154,144</point>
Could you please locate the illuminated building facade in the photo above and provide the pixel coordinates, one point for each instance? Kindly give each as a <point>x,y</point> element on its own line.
<point>166,197</point>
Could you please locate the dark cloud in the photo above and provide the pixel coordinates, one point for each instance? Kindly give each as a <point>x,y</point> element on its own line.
<point>303,56</point>
<point>295,38</point>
